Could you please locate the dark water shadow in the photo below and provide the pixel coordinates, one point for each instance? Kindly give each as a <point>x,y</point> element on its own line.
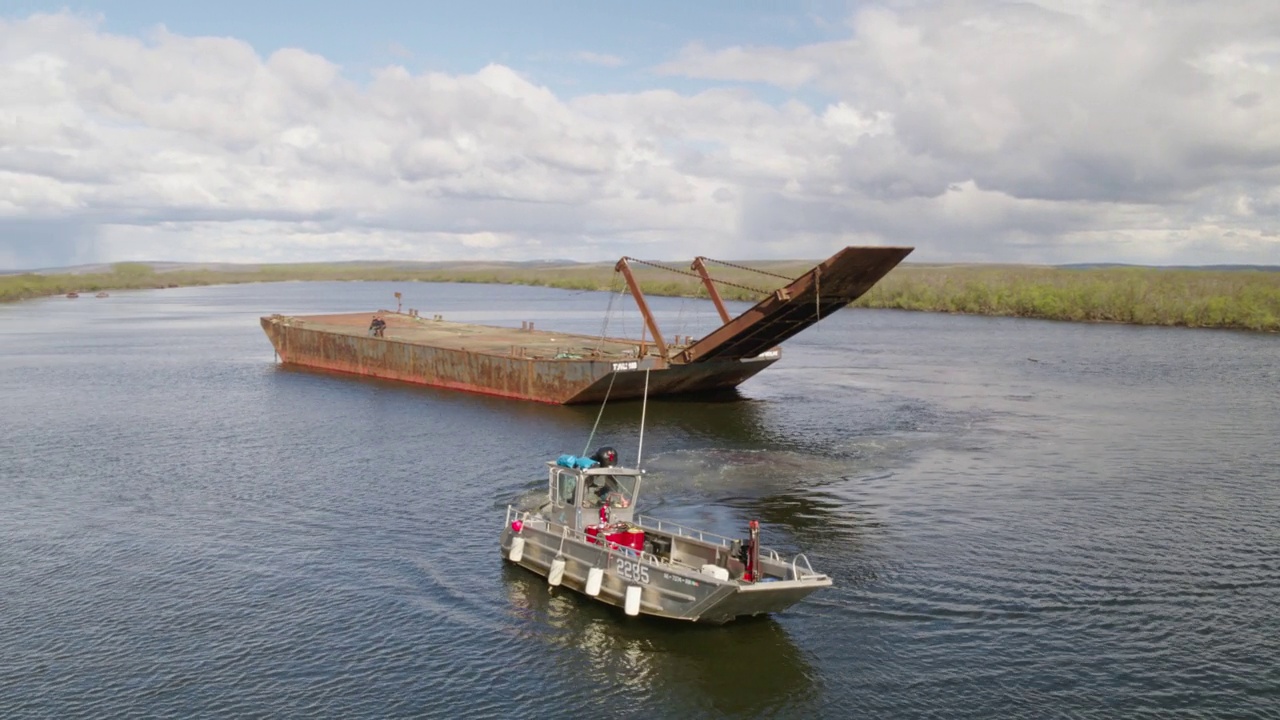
<point>718,396</point>
<point>685,422</point>
<point>813,518</point>
<point>717,438</point>
<point>745,665</point>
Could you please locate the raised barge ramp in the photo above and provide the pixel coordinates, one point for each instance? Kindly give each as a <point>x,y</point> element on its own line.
<point>556,367</point>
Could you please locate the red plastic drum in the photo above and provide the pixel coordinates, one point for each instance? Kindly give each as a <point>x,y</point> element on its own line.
<point>630,538</point>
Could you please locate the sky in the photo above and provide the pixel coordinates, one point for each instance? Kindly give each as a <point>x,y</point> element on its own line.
<point>1040,131</point>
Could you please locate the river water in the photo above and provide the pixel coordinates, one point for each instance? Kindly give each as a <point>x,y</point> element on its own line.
<point>1022,519</point>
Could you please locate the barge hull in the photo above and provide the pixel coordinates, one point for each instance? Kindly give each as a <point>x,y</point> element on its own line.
<point>549,380</point>
<point>565,368</point>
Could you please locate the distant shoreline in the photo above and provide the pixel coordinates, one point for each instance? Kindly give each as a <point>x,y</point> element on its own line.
<point>1241,299</point>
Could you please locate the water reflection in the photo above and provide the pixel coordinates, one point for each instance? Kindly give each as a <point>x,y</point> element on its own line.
<point>735,469</point>
<point>727,427</point>
<point>743,666</point>
<point>730,421</point>
<point>810,517</point>
<point>721,419</point>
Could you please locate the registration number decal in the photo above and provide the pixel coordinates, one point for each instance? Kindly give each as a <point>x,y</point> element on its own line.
<point>679,579</point>
<point>633,571</point>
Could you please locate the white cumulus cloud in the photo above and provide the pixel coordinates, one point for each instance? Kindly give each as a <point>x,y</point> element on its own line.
<point>1033,131</point>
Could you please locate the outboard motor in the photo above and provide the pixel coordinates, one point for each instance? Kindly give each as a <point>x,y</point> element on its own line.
<point>606,456</point>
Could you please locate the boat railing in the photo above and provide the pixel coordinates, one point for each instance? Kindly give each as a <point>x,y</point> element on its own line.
<point>524,516</point>
<point>611,548</point>
<point>567,532</point>
<point>808,571</point>
<point>513,514</point>
<point>679,530</point>
<point>801,569</point>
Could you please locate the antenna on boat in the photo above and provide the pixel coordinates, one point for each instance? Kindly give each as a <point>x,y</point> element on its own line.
<point>644,405</point>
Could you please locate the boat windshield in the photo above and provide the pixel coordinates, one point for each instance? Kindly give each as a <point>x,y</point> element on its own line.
<point>616,490</point>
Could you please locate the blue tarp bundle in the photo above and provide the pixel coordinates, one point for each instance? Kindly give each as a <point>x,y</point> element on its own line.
<point>572,461</point>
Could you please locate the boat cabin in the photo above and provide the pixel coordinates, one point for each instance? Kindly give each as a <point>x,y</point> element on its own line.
<point>576,496</point>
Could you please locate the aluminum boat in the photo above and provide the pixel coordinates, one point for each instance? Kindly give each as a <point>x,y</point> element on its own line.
<point>586,536</point>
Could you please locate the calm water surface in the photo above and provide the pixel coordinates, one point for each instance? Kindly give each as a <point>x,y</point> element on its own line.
<point>1023,519</point>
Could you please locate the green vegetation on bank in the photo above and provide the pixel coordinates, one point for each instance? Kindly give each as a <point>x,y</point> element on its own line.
<point>1242,299</point>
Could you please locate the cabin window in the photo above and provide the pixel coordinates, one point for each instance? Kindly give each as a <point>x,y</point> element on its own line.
<point>616,490</point>
<point>565,485</point>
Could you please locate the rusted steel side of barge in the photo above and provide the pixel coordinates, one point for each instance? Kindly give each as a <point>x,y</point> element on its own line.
<point>549,380</point>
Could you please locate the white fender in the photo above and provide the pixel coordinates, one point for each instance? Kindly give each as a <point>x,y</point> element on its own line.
<point>633,600</point>
<point>595,576</point>
<point>517,550</point>
<point>555,575</point>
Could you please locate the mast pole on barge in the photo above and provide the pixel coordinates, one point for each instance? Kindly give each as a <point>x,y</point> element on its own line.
<point>700,265</point>
<point>625,268</point>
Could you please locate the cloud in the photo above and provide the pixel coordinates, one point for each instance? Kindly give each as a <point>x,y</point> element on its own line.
<point>1112,102</point>
<point>37,243</point>
<point>783,67</point>
<point>1036,132</point>
<point>600,59</point>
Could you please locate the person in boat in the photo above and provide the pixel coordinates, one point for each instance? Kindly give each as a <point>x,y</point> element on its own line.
<point>377,327</point>
<point>605,489</point>
<point>606,456</point>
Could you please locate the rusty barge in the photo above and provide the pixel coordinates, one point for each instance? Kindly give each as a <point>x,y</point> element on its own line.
<point>530,364</point>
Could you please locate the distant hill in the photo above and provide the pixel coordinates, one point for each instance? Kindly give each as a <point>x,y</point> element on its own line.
<point>1245,297</point>
<point>166,266</point>
<point>472,265</point>
<point>108,267</point>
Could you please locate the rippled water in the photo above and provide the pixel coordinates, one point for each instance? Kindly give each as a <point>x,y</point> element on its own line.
<point>1023,519</point>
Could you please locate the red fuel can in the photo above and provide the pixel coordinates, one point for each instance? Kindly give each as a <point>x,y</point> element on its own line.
<point>631,538</point>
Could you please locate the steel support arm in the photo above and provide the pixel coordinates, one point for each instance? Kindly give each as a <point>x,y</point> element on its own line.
<point>700,266</point>
<point>624,268</point>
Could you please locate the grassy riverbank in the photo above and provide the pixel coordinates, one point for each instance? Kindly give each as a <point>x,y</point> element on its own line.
<point>1241,299</point>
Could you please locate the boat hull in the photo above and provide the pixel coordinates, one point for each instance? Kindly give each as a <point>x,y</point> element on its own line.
<point>666,591</point>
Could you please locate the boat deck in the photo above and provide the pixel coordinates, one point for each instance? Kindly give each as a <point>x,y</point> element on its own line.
<point>518,342</point>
